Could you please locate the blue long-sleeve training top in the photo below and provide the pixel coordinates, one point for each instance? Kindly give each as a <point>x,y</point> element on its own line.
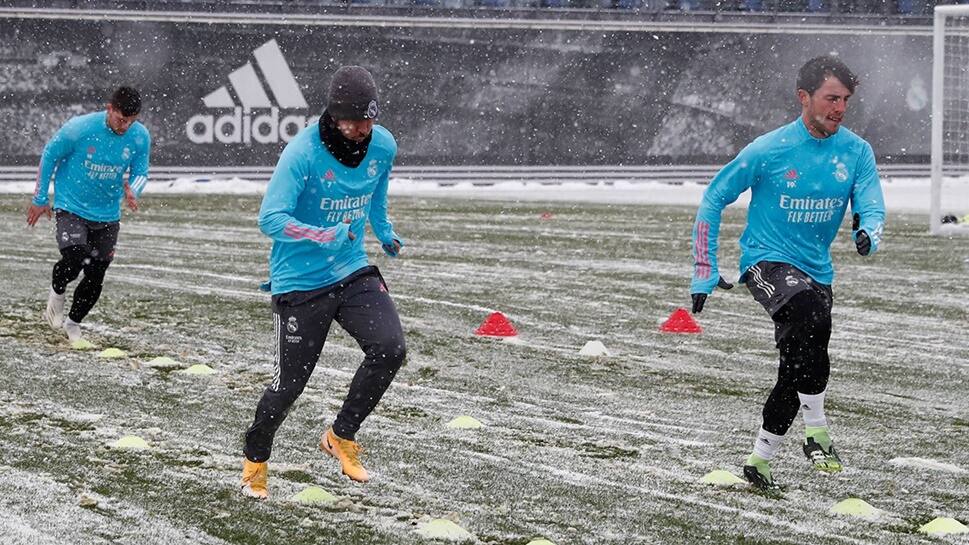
<point>800,188</point>
<point>308,198</point>
<point>88,162</point>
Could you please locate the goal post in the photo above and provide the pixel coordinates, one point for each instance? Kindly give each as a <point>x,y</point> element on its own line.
<point>949,192</point>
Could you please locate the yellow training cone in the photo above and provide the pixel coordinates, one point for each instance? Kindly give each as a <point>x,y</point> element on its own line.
<point>855,508</point>
<point>464,423</point>
<point>199,369</point>
<point>942,526</point>
<point>132,442</point>
<point>721,477</point>
<point>163,362</point>
<point>82,344</point>
<point>314,495</point>
<point>111,353</point>
<point>444,529</point>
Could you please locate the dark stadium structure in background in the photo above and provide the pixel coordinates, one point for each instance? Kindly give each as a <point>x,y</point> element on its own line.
<point>232,94</point>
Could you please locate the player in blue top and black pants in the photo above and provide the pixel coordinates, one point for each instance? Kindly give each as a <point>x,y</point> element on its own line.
<point>802,177</point>
<point>88,158</point>
<point>330,180</point>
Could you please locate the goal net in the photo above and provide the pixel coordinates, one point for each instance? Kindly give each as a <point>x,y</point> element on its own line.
<point>949,205</point>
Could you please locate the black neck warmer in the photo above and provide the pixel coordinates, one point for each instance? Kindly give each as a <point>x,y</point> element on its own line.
<point>346,151</point>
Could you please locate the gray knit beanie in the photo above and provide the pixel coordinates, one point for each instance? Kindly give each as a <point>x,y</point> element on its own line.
<point>352,95</point>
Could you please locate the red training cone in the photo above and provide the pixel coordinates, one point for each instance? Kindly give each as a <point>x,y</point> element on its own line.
<point>496,325</point>
<point>546,216</point>
<point>680,322</point>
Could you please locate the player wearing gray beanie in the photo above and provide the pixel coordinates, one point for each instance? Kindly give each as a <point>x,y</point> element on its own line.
<point>352,94</point>
<point>331,180</point>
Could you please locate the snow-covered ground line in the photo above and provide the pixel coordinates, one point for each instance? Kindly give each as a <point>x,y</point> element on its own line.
<point>901,194</point>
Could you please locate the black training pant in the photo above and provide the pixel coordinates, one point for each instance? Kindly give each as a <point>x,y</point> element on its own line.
<point>85,246</point>
<point>802,329</point>
<point>362,306</point>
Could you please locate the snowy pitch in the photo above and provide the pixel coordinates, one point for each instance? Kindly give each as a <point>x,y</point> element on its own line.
<point>574,449</point>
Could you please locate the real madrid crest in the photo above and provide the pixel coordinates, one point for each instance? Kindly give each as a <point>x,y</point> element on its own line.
<point>841,172</point>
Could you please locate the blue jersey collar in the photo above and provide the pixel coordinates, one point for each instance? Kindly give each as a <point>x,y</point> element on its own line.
<point>807,134</point>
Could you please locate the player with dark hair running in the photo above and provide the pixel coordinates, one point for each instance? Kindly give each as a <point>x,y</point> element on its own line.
<point>802,176</point>
<point>88,158</point>
<point>329,181</point>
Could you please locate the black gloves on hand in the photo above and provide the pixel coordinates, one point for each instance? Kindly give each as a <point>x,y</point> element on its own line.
<point>862,240</point>
<point>699,299</point>
<point>863,243</point>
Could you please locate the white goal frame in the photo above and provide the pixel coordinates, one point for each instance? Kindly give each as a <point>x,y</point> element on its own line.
<point>942,13</point>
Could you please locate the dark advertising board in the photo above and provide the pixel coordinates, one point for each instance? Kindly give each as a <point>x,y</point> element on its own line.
<point>233,94</point>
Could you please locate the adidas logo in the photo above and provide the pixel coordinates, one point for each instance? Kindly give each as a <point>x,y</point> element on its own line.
<point>240,126</point>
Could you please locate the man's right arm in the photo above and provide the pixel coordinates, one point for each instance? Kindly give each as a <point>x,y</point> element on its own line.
<point>58,147</point>
<point>276,218</point>
<point>732,180</point>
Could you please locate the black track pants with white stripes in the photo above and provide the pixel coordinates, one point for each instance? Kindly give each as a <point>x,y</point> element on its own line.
<point>362,306</point>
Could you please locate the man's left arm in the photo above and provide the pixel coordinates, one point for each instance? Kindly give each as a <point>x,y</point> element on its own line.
<point>138,175</point>
<point>867,205</point>
<point>390,241</point>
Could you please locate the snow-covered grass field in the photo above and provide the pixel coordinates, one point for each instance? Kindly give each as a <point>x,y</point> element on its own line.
<point>574,449</point>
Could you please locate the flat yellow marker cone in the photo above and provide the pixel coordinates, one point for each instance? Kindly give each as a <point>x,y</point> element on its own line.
<point>540,542</point>
<point>130,442</point>
<point>464,423</point>
<point>82,344</point>
<point>444,529</point>
<point>721,477</point>
<point>314,495</point>
<point>942,526</point>
<point>163,362</point>
<point>594,349</point>
<point>855,508</point>
<point>112,353</point>
<point>199,369</point>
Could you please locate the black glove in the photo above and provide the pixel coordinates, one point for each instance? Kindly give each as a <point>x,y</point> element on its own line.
<point>700,298</point>
<point>862,240</point>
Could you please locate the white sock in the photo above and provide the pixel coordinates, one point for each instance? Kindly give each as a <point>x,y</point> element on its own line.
<point>73,329</point>
<point>767,444</point>
<point>812,407</point>
<point>54,313</point>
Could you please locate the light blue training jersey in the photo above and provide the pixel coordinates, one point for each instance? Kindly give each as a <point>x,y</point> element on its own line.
<point>800,187</point>
<point>88,162</point>
<point>308,198</point>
